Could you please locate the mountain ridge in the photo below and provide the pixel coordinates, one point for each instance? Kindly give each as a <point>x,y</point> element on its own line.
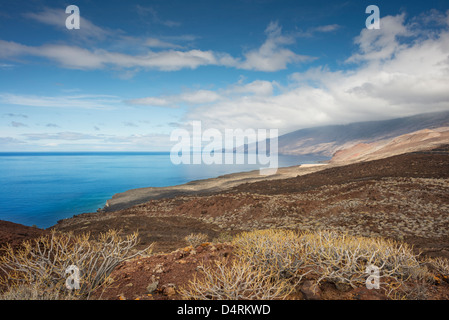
<point>326,140</point>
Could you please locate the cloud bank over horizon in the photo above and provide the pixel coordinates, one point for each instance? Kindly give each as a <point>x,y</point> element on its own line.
<point>398,71</point>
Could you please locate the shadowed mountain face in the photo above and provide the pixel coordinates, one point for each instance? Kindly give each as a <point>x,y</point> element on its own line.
<point>327,140</point>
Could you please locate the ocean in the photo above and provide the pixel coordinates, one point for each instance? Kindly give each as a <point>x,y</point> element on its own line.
<point>41,188</point>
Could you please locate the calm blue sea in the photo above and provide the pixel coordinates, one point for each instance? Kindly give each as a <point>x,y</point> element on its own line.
<point>42,188</point>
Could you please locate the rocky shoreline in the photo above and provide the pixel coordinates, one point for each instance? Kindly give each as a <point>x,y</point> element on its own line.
<point>133,197</point>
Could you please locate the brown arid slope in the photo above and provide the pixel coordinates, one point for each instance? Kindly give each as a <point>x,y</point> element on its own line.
<point>14,234</point>
<point>404,197</point>
<point>413,142</point>
<point>200,187</point>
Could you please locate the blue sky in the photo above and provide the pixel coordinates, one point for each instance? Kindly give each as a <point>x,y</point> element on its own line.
<point>137,70</point>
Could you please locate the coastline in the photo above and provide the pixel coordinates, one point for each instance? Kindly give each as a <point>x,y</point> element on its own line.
<point>416,141</point>
<point>129,198</point>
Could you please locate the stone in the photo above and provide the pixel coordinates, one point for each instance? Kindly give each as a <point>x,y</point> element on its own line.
<point>343,287</point>
<point>169,291</point>
<point>158,268</point>
<point>152,286</point>
<point>310,291</point>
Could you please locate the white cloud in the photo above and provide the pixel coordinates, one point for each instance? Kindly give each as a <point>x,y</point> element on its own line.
<point>158,43</point>
<point>10,140</point>
<point>78,101</point>
<point>199,97</point>
<point>152,101</point>
<point>19,115</point>
<point>57,18</point>
<point>271,56</point>
<point>70,141</point>
<point>326,28</point>
<point>311,32</point>
<point>396,72</point>
<point>143,141</point>
<point>6,66</point>
<point>173,101</point>
<point>146,12</point>
<point>382,43</point>
<point>80,58</point>
<point>115,38</point>
<point>130,124</point>
<point>71,136</point>
<point>52,125</point>
<point>16,124</point>
<point>257,88</point>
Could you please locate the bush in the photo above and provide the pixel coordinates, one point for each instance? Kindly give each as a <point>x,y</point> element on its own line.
<point>223,237</point>
<point>235,280</point>
<point>277,252</point>
<point>341,258</point>
<point>440,265</point>
<point>330,256</point>
<point>195,239</point>
<point>42,263</point>
<point>36,291</point>
<point>268,264</point>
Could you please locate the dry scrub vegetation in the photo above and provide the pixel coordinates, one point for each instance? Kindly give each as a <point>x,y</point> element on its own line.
<point>38,268</point>
<point>270,264</point>
<point>235,280</point>
<point>195,239</point>
<point>264,265</point>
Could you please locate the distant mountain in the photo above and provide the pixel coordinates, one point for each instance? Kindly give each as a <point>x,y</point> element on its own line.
<point>326,140</point>
<point>417,141</point>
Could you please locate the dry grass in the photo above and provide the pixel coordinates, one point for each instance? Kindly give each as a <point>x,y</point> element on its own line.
<point>275,251</point>
<point>235,280</point>
<point>37,291</point>
<point>195,239</point>
<point>440,265</point>
<point>41,264</point>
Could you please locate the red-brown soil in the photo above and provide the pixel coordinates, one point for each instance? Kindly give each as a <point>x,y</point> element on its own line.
<point>14,234</point>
